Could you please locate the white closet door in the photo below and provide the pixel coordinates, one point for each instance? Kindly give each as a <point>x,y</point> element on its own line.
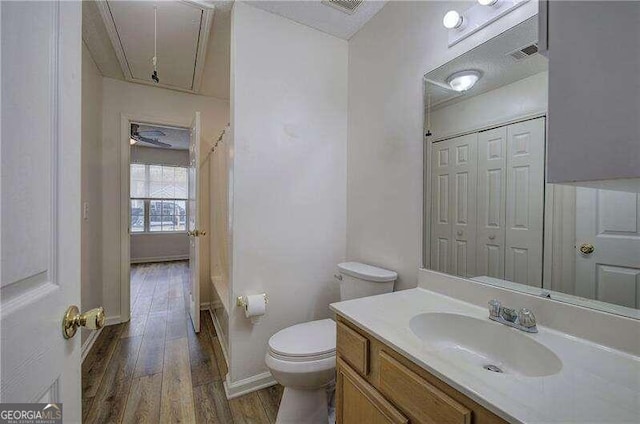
<point>454,183</point>
<point>610,221</point>
<point>492,186</point>
<point>441,226</point>
<point>525,202</point>
<point>464,205</point>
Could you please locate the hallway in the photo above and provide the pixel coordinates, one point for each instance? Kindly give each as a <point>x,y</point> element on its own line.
<point>156,369</point>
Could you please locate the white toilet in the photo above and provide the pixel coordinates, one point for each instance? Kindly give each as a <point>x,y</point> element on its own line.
<point>303,357</point>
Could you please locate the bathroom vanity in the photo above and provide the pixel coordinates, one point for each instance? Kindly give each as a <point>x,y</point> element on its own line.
<point>376,384</point>
<point>417,356</point>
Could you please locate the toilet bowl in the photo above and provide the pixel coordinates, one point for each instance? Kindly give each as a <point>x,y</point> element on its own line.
<point>302,358</point>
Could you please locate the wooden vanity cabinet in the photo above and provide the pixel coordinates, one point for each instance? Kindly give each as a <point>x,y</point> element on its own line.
<point>376,384</point>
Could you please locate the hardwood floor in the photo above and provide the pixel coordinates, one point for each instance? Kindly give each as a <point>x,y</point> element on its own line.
<point>156,369</point>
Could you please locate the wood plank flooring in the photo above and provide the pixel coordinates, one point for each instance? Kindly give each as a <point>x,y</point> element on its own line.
<point>156,369</point>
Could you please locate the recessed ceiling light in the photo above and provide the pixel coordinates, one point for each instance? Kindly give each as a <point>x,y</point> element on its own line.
<point>452,19</point>
<point>463,80</point>
<point>487,2</point>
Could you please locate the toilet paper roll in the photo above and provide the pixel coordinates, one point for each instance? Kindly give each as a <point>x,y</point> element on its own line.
<point>255,307</point>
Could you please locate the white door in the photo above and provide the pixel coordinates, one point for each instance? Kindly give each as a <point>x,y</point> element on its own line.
<point>463,205</point>
<point>525,202</point>
<point>440,216</point>
<point>454,175</point>
<point>194,223</point>
<point>492,163</point>
<point>610,221</point>
<point>40,202</point>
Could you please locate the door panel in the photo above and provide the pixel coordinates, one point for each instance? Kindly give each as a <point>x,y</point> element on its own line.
<point>453,224</point>
<point>40,198</point>
<point>463,201</point>
<point>525,202</point>
<point>194,223</point>
<point>440,224</point>
<point>491,202</point>
<point>610,221</point>
<point>359,402</point>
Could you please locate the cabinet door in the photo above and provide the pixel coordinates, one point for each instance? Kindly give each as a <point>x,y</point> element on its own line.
<point>594,90</point>
<point>358,402</point>
<point>492,186</point>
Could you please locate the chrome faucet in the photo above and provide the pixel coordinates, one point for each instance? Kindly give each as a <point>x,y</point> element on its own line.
<point>522,320</point>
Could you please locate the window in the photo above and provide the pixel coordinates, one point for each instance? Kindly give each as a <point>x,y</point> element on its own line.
<point>158,198</point>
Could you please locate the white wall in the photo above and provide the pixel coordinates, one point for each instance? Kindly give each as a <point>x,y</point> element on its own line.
<point>159,156</point>
<point>387,60</point>
<point>154,247</point>
<point>91,228</point>
<point>160,247</point>
<point>289,121</point>
<point>136,99</point>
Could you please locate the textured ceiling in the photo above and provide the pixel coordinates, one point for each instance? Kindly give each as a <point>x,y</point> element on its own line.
<point>493,61</point>
<point>322,17</point>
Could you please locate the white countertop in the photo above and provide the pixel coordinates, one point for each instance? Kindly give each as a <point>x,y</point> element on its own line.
<point>595,385</point>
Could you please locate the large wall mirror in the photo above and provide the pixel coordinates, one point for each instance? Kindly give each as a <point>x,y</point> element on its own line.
<point>489,215</point>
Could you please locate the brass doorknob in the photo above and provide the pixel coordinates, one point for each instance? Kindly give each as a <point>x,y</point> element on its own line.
<point>196,233</point>
<point>587,248</point>
<point>92,320</point>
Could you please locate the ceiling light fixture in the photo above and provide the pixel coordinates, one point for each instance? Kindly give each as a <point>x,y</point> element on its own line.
<point>463,80</point>
<point>452,19</point>
<point>487,2</point>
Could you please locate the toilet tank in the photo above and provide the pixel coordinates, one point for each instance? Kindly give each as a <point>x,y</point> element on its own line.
<point>361,280</point>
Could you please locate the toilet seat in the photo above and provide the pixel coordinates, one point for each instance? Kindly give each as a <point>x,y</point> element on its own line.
<point>309,341</point>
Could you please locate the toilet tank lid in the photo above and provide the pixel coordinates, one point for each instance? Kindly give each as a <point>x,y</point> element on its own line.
<point>367,272</point>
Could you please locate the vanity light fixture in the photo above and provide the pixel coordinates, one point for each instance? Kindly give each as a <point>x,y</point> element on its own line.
<point>487,2</point>
<point>463,80</point>
<point>452,19</point>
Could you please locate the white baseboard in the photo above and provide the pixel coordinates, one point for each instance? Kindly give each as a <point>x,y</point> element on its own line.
<point>218,328</point>
<point>234,389</point>
<point>216,304</point>
<point>204,306</point>
<point>159,259</point>
<point>112,320</point>
<point>88,344</point>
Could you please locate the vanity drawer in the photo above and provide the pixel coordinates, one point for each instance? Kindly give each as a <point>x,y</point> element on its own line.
<point>417,398</point>
<point>353,348</point>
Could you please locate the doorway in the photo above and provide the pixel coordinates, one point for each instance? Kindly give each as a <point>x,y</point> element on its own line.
<point>159,216</point>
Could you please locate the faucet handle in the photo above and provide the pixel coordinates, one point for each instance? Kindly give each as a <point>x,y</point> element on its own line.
<point>494,308</point>
<point>526,318</point>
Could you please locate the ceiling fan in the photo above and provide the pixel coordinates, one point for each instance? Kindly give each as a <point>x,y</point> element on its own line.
<point>145,136</point>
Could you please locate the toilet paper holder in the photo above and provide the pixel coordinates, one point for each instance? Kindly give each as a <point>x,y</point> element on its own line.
<point>241,301</point>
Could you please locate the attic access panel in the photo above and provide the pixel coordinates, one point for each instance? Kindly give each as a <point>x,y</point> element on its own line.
<point>183,31</point>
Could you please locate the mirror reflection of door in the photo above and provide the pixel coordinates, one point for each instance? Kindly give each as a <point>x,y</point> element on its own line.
<point>610,222</point>
<point>488,203</point>
<point>490,216</point>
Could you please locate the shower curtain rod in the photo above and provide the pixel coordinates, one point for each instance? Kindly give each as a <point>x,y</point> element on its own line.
<point>214,147</point>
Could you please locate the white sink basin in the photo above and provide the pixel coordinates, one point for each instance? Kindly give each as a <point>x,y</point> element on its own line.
<point>487,344</point>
